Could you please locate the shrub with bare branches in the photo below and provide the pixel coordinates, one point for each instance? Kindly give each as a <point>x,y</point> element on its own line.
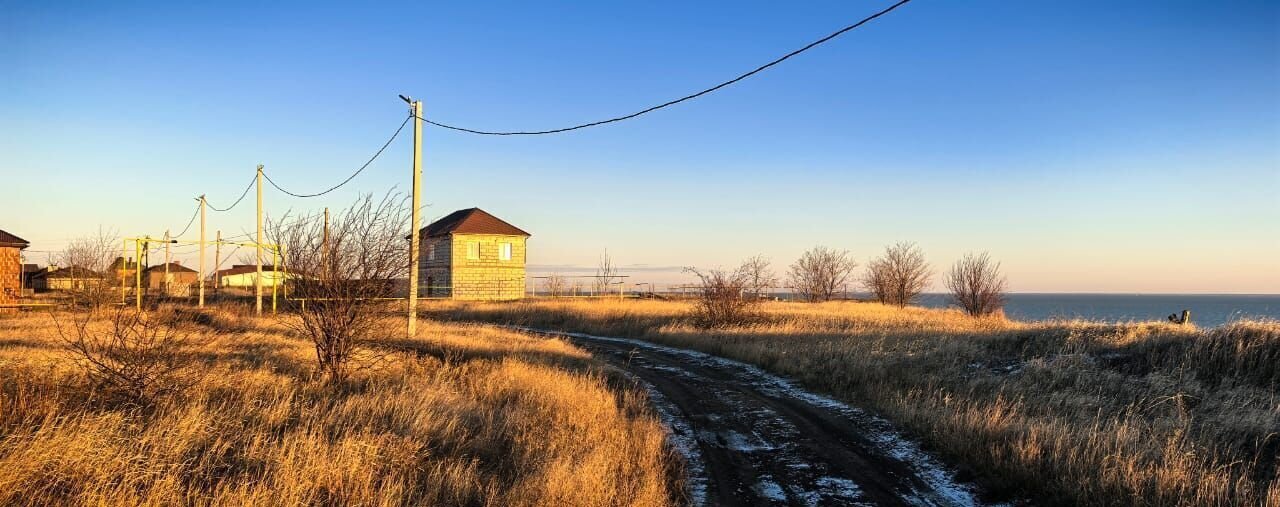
<point>342,279</point>
<point>86,263</point>
<point>606,275</point>
<point>976,284</point>
<point>138,356</point>
<point>759,275</point>
<point>820,273</point>
<point>723,297</point>
<point>555,285</point>
<point>899,276</point>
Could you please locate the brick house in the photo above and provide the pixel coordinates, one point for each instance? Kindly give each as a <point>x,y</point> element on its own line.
<point>11,248</point>
<point>68,278</point>
<point>178,282</point>
<point>473,255</point>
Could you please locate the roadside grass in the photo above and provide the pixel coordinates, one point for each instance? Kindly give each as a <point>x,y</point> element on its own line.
<point>1063,413</point>
<point>462,415</point>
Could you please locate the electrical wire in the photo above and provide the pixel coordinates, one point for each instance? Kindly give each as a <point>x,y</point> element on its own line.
<point>681,99</point>
<point>353,175</point>
<point>189,222</point>
<point>242,195</point>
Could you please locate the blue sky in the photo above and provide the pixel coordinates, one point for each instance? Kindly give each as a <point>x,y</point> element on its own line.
<point>1091,146</point>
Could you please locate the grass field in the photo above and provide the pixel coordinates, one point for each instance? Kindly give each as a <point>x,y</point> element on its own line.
<point>1067,413</point>
<point>465,415</point>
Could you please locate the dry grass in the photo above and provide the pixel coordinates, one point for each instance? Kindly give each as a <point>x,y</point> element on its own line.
<point>1068,413</point>
<point>465,415</point>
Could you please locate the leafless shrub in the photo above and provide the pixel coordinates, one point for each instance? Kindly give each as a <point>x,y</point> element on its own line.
<point>140,357</point>
<point>606,274</point>
<point>723,297</point>
<point>87,262</point>
<point>899,276</point>
<point>555,285</point>
<point>759,275</point>
<point>976,284</point>
<point>342,280</point>
<point>820,273</point>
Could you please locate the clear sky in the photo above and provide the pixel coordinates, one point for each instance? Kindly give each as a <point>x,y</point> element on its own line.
<point>1091,146</point>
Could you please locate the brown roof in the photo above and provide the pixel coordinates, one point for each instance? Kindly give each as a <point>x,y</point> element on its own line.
<point>71,272</point>
<point>471,221</point>
<point>7,239</point>
<point>239,269</point>
<point>173,268</point>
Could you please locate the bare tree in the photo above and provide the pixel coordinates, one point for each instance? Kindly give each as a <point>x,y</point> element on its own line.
<point>606,274</point>
<point>820,273</point>
<point>759,275</point>
<point>86,261</point>
<point>555,285</point>
<point>723,297</point>
<point>899,276</point>
<point>342,282</point>
<point>976,284</point>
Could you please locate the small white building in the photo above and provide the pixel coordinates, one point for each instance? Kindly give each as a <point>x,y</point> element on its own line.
<point>245,276</point>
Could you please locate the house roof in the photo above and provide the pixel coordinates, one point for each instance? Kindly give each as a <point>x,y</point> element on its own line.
<point>7,239</point>
<point>68,272</point>
<point>130,264</point>
<point>173,268</point>
<point>240,269</point>
<point>471,221</point>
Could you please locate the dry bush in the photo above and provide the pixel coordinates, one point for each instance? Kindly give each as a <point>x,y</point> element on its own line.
<point>555,285</point>
<point>88,259</point>
<point>759,275</point>
<point>606,275</point>
<point>508,420</point>
<point>1061,413</point>
<point>899,276</point>
<point>723,298</point>
<point>820,273</point>
<point>976,284</point>
<point>341,280</point>
<point>137,356</point>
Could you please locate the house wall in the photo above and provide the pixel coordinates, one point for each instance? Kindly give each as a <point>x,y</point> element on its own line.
<point>434,271</point>
<point>180,283</point>
<point>269,279</point>
<point>487,278</point>
<point>10,274</point>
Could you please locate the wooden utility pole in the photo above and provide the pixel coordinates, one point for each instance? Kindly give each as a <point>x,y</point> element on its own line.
<point>413,229</point>
<point>217,259</point>
<point>202,241</point>
<point>257,280</point>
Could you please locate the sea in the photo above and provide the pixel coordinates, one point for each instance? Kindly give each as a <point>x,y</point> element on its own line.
<point>1207,310</point>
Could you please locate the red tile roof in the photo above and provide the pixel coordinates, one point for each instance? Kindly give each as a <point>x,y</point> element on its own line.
<point>7,239</point>
<point>173,268</point>
<point>471,221</point>
<point>239,269</point>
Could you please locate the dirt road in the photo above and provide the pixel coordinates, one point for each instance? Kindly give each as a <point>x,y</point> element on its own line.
<point>752,438</point>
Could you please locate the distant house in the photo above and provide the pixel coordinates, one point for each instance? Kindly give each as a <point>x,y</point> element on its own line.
<point>11,248</point>
<point>244,275</point>
<point>54,278</point>
<point>124,268</point>
<point>471,254</point>
<point>176,282</point>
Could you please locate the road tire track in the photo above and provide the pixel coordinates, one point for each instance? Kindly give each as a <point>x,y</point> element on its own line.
<point>753,438</point>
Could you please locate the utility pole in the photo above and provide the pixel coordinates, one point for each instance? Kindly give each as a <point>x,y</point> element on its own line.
<point>257,247</point>
<point>217,260</point>
<point>416,200</point>
<point>202,236</point>
<point>324,244</point>
<point>166,262</point>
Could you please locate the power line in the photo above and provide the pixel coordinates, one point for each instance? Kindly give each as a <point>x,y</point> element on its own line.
<point>686,97</point>
<point>353,175</point>
<point>189,222</point>
<point>242,194</point>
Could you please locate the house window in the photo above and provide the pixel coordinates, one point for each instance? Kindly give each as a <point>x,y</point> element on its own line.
<point>504,251</point>
<point>473,250</point>
<point>431,252</point>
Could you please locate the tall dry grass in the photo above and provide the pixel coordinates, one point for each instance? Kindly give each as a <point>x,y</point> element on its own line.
<point>1065,413</point>
<point>464,415</point>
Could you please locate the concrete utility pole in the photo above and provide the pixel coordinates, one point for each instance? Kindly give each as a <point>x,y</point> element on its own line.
<point>166,262</point>
<point>217,259</point>
<point>413,229</point>
<point>203,203</point>
<point>257,280</point>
